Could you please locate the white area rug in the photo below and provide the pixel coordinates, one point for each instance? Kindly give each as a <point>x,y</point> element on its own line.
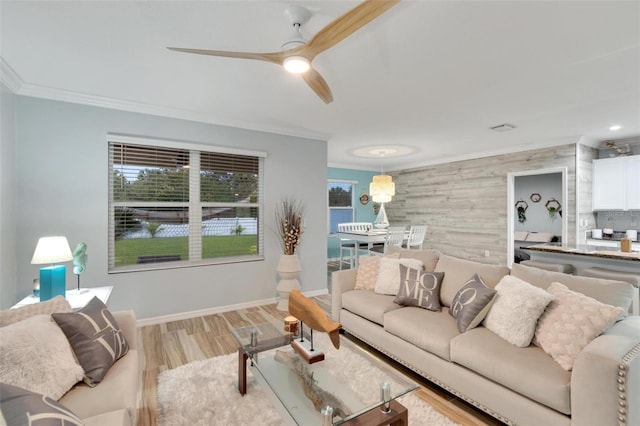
<point>206,393</point>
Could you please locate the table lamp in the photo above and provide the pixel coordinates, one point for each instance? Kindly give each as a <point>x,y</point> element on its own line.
<point>52,250</point>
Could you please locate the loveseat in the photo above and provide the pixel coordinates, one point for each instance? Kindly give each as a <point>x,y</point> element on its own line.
<point>111,402</point>
<point>517,385</point>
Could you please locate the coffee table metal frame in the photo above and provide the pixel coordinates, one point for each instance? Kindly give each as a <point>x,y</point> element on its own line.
<point>367,416</point>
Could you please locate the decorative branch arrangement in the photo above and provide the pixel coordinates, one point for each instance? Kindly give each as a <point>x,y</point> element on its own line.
<point>289,215</point>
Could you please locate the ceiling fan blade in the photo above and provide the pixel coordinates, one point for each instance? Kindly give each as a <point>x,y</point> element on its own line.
<point>275,57</point>
<point>318,84</point>
<point>346,25</point>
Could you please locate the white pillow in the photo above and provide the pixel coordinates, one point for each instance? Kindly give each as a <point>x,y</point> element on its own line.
<point>571,322</point>
<point>35,355</point>
<point>516,309</point>
<point>388,281</point>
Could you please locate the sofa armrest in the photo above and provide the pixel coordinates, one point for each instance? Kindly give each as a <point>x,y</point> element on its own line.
<point>606,378</point>
<point>341,281</point>
<point>127,322</point>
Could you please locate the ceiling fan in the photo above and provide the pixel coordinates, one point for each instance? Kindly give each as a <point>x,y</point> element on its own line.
<point>297,55</point>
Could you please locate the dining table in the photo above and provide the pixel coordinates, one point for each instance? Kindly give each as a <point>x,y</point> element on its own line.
<point>363,238</point>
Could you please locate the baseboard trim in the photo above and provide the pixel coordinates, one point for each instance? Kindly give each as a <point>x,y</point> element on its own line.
<point>217,309</point>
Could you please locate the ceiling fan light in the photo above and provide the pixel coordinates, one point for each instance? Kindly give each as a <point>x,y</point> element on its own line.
<point>296,64</point>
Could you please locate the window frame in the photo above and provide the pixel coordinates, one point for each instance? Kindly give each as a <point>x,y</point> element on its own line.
<point>194,204</point>
<point>353,184</point>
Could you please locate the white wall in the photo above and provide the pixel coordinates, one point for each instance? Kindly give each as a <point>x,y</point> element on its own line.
<point>8,199</point>
<point>538,220</point>
<point>62,189</point>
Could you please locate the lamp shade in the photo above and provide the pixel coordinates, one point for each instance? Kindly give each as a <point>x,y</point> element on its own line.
<point>382,188</point>
<point>51,250</point>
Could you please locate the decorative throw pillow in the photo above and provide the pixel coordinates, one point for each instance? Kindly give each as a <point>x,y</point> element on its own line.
<point>472,303</point>
<point>35,355</point>
<point>95,338</point>
<point>515,312</point>
<point>571,322</point>
<point>22,407</point>
<point>419,288</point>
<point>367,272</point>
<point>388,281</point>
<point>57,304</point>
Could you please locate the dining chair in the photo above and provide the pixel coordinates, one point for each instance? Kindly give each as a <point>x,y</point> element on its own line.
<point>416,237</point>
<point>395,237</point>
<point>349,246</point>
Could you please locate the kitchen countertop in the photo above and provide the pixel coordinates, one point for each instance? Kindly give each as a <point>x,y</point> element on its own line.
<point>587,250</point>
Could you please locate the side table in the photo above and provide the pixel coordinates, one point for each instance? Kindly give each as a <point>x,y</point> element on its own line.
<point>76,299</point>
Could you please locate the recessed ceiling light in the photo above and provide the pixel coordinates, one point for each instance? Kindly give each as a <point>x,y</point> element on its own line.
<point>615,127</point>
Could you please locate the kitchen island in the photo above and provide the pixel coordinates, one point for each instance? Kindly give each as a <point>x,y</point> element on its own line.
<point>582,257</point>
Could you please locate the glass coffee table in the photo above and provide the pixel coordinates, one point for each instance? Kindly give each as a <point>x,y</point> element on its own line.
<point>359,388</point>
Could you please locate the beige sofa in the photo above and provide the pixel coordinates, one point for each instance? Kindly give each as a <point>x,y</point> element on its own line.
<point>114,400</point>
<point>516,385</point>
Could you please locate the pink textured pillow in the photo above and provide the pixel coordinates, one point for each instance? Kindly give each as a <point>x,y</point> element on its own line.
<point>368,268</point>
<point>367,274</point>
<point>570,322</point>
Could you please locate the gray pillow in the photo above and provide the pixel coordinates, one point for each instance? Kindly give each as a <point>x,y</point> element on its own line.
<point>22,407</point>
<point>95,337</point>
<point>472,303</point>
<point>419,288</point>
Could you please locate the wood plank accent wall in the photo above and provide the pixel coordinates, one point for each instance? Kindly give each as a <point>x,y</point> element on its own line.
<point>464,203</point>
<point>586,217</point>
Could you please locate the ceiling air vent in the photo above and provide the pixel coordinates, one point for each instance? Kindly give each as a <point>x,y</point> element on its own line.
<point>502,127</point>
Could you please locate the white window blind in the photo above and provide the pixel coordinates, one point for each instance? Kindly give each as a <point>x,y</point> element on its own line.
<point>179,206</point>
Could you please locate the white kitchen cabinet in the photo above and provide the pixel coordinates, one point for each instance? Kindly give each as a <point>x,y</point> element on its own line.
<point>632,178</point>
<point>608,184</point>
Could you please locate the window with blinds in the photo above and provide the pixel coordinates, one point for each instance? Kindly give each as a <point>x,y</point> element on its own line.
<point>173,206</point>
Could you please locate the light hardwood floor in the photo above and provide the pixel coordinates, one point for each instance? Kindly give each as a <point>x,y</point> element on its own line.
<point>172,344</point>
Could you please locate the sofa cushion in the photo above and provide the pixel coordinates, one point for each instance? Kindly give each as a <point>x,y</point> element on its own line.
<point>388,281</point>
<point>528,371</point>
<point>57,304</point>
<point>368,304</point>
<point>614,293</point>
<point>428,330</point>
<point>117,390</point>
<point>515,312</point>
<point>429,257</point>
<point>419,288</point>
<point>116,417</point>
<point>571,322</point>
<point>35,355</point>
<point>457,272</point>
<point>95,337</point>
<point>472,303</point>
<point>22,407</point>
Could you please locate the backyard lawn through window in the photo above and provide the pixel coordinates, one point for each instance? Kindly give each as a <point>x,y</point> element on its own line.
<point>170,204</point>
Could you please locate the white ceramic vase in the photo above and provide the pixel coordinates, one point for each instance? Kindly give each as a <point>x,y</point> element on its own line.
<point>288,269</point>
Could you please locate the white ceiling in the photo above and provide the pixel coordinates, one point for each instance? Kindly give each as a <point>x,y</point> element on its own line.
<point>431,76</point>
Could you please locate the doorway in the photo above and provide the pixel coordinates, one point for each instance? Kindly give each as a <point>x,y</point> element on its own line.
<point>537,207</point>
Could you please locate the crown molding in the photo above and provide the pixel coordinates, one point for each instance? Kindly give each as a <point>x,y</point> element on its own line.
<point>9,77</point>
<point>17,85</point>
<point>50,93</point>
